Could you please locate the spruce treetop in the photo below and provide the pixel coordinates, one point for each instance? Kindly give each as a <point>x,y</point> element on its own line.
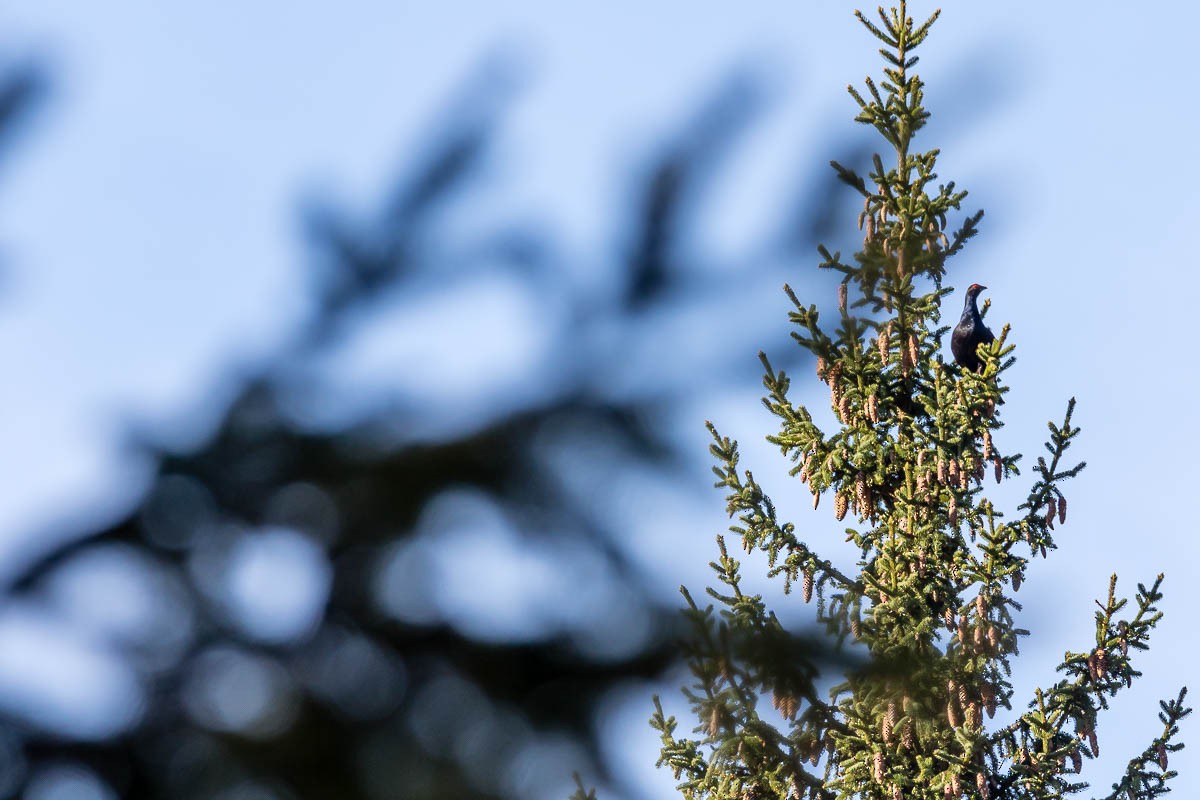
<point>932,601</point>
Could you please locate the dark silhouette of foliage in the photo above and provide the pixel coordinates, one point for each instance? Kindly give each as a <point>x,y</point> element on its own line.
<point>371,704</point>
<point>359,492</point>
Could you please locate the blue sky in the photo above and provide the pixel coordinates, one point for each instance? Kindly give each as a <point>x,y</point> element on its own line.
<point>148,227</point>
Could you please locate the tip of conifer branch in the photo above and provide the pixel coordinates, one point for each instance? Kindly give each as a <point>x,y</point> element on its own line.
<point>762,357</point>
<point>791,295</point>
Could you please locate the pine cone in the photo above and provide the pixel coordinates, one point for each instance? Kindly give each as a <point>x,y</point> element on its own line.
<point>1051,513</point>
<point>789,707</point>
<point>948,617</point>
<point>908,739</point>
<point>862,493</point>
<point>1062,510</point>
<point>914,351</point>
<point>878,767</point>
<point>1162,756</point>
<point>1101,662</point>
<point>889,721</point>
<point>952,714</point>
<point>1076,761</point>
<point>842,297</point>
<point>999,468</point>
<point>981,783</point>
<point>971,715</point>
<point>816,499</point>
<point>714,721</point>
<point>883,342</point>
<point>821,371</point>
<point>988,694</point>
<point>808,585</point>
<point>987,445</point>
<point>1016,580</point>
<point>1093,743</point>
<point>839,506</point>
<point>953,512</point>
<point>941,471</point>
<point>980,606</point>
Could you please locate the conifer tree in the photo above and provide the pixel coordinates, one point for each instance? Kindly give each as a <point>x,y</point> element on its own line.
<point>932,603</point>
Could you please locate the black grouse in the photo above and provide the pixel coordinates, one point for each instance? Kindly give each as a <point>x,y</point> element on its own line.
<point>970,332</point>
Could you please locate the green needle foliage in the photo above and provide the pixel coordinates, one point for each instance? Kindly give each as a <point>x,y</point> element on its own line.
<point>933,601</point>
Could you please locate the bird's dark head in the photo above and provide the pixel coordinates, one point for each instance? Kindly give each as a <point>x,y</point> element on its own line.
<point>974,289</point>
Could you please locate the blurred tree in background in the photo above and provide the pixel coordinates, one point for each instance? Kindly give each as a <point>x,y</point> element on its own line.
<point>295,649</point>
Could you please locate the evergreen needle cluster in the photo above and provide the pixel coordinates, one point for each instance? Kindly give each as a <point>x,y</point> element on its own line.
<point>932,602</point>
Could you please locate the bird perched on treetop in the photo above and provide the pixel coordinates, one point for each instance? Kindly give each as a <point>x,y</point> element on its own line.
<point>970,332</point>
